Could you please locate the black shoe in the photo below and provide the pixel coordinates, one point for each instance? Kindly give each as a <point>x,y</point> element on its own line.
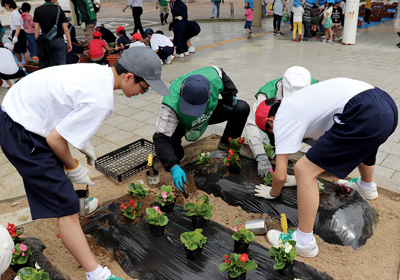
<point>398,44</point>
<point>131,33</point>
<point>280,33</point>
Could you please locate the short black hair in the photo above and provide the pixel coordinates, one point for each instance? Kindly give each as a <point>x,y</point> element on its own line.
<point>274,104</point>
<point>121,70</point>
<point>10,3</point>
<point>122,32</point>
<point>171,26</point>
<point>25,7</point>
<point>159,32</point>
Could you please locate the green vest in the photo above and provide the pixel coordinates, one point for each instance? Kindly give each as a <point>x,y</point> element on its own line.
<point>163,3</point>
<point>89,8</point>
<point>195,126</point>
<point>270,89</point>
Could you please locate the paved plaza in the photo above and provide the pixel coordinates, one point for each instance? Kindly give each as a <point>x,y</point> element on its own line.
<point>250,64</point>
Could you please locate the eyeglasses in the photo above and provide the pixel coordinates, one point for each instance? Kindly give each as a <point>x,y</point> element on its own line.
<point>143,89</point>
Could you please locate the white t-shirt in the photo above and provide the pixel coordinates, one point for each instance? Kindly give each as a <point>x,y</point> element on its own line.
<point>137,44</point>
<point>297,14</point>
<point>16,19</point>
<point>8,65</point>
<point>309,112</point>
<point>74,99</point>
<point>159,40</point>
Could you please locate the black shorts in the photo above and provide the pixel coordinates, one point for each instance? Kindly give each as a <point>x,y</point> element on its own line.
<point>367,121</point>
<point>20,46</point>
<point>50,193</point>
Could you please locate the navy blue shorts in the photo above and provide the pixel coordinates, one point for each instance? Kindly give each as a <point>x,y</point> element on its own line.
<point>49,191</point>
<point>248,24</point>
<point>367,121</point>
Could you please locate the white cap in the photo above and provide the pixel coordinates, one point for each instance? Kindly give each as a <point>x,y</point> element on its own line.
<point>9,46</point>
<point>6,249</point>
<point>295,78</point>
<point>98,24</point>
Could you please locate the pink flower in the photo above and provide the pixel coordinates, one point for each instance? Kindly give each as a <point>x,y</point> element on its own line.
<point>165,199</point>
<point>164,194</point>
<point>23,254</point>
<point>23,247</point>
<point>271,171</point>
<point>14,250</point>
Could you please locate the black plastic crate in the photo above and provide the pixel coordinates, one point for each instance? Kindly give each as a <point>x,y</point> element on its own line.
<point>127,161</point>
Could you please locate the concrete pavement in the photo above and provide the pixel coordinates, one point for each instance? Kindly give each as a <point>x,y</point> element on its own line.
<point>250,64</point>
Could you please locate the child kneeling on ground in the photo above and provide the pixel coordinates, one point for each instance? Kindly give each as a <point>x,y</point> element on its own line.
<point>9,70</point>
<point>97,47</point>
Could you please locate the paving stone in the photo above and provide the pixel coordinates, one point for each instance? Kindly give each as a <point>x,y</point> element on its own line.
<point>18,218</point>
<point>116,120</point>
<point>392,161</point>
<point>118,136</point>
<point>105,129</point>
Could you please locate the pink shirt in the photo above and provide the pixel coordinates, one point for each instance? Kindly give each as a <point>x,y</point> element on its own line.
<point>28,23</point>
<point>249,14</point>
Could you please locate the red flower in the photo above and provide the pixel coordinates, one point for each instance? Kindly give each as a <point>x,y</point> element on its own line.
<point>122,205</point>
<point>230,138</point>
<point>224,261</point>
<point>58,236</point>
<point>228,163</point>
<point>230,152</point>
<point>239,159</point>
<point>13,234</point>
<point>244,257</point>
<point>226,257</point>
<point>228,158</point>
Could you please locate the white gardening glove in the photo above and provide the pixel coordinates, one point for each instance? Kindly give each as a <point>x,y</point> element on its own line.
<point>15,40</point>
<point>80,175</point>
<point>264,191</point>
<point>263,165</point>
<point>89,152</point>
<point>290,181</point>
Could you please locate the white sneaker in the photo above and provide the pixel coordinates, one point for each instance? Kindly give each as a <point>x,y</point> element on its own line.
<point>170,59</point>
<point>179,55</point>
<point>370,193</point>
<point>4,84</point>
<point>309,251</point>
<point>186,53</point>
<point>161,62</point>
<point>192,49</point>
<point>92,204</point>
<point>104,275</point>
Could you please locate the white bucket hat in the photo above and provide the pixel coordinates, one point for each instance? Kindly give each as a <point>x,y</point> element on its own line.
<point>6,249</point>
<point>295,78</point>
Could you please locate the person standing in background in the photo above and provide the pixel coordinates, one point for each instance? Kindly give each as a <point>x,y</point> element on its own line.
<point>29,29</point>
<point>180,17</point>
<point>164,10</point>
<point>137,10</point>
<point>279,7</point>
<point>18,32</point>
<point>88,18</point>
<point>367,11</point>
<point>215,4</point>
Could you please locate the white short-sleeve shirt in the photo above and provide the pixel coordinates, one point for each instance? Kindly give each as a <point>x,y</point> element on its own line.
<point>16,19</point>
<point>159,40</point>
<point>309,112</point>
<point>8,65</point>
<point>74,99</point>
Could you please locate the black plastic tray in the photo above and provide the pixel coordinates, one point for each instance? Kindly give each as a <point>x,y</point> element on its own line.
<point>127,161</point>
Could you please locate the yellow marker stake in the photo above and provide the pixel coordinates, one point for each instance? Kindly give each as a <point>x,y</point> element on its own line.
<point>284,223</point>
<point>150,164</point>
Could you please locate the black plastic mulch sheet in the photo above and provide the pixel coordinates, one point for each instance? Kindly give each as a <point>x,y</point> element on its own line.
<point>342,220</point>
<point>146,257</point>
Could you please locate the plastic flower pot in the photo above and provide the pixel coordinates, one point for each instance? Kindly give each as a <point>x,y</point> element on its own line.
<point>234,169</point>
<point>157,231</point>
<point>193,255</point>
<point>286,270</point>
<point>198,222</point>
<point>31,68</point>
<point>168,208</point>
<point>240,247</point>
<point>240,277</point>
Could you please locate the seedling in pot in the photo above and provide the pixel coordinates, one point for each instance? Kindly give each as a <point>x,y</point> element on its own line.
<point>137,190</point>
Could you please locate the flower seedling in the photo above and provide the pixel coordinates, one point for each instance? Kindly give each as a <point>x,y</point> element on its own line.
<point>166,196</point>
<point>137,190</point>
<point>236,144</point>
<point>241,233</point>
<point>269,151</point>
<point>283,252</point>
<point>202,207</point>
<point>20,254</point>
<point>156,217</point>
<point>193,239</point>
<point>32,63</point>
<point>236,264</point>
<point>268,177</point>
<point>29,273</point>
<point>232,159</point>
<point>343,190</point>
<point>129,209</point>
<point>14,232</point>
<point>320,186</point>
<point>204,158</point>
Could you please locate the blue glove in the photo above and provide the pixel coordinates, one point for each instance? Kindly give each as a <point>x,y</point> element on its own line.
<point>179,176</point>
<point>230,108</point>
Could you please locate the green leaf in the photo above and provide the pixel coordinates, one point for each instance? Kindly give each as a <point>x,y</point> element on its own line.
<point>250,265</point>
<point>163,220</point>
<point>189,205</point>
<point>191,213</point>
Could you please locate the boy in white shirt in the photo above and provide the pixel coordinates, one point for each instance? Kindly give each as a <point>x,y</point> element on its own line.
<point>9,70</point>
<point>44,112</point>
<point>350,119</point>
<point>162,45</point>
